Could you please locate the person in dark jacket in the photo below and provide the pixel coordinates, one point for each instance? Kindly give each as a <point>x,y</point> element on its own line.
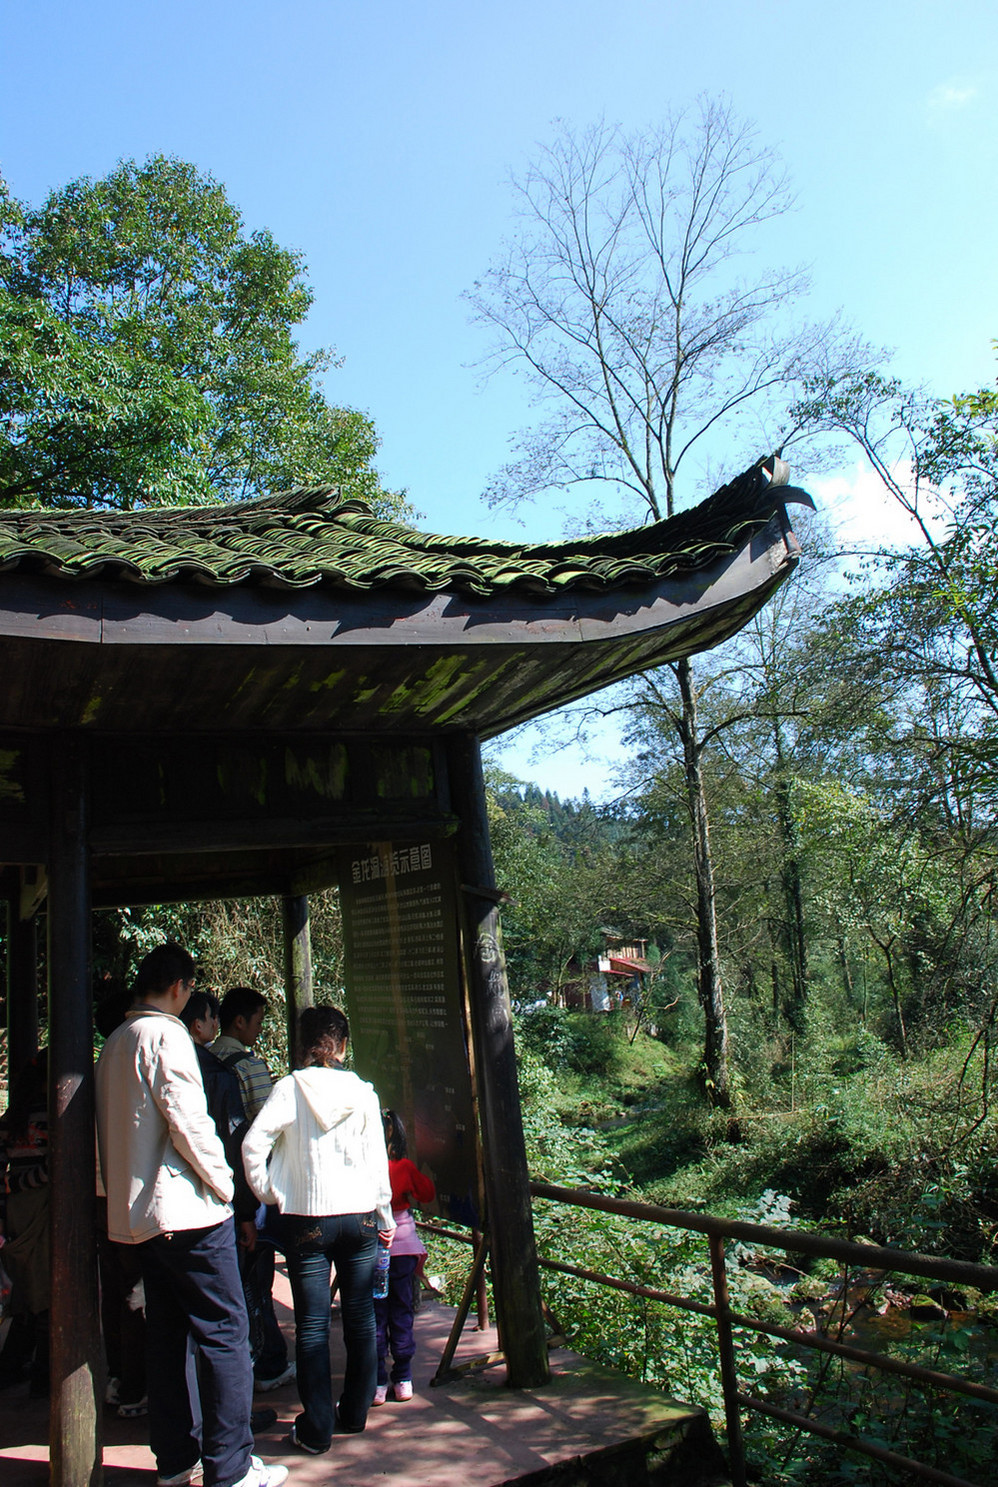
<point>226,1108</point>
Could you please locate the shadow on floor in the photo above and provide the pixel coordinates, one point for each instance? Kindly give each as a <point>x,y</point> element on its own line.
<point>588,1426</point>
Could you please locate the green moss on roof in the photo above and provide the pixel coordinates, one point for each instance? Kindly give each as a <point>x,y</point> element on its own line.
<point>307,537</point>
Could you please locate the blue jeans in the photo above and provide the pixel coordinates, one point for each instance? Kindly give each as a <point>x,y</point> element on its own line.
<point>311,1246</point>
<point>194,1299</point>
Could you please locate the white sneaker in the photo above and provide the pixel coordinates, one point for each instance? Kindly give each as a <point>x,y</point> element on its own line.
<point>111,1394</point>
<point>403,1390</point>
<point>193,1473</point>
<point>260,1475</point>
<point>135,1410</point>
<point>264,1386</point>
<point>380,1395</point>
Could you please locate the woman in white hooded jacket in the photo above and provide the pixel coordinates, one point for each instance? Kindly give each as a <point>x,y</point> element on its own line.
<point>317,1150</point>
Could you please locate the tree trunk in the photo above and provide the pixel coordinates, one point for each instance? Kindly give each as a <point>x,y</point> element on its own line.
<point>896,998</point>
<point>298,991</point>
<point>713,1072</point>
<point>847,981</point>
<point>790,877</point>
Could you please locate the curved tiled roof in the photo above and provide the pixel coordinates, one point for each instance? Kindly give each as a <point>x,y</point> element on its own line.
<point>309,536</point>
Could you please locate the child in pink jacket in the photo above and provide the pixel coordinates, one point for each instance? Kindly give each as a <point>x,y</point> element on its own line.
<point>394,1313</point>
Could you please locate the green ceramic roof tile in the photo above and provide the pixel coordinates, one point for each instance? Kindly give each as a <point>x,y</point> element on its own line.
<point>306,537</point>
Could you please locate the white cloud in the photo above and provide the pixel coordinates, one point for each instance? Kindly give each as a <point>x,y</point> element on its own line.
<point>948,97</point>
<point>865,517</point>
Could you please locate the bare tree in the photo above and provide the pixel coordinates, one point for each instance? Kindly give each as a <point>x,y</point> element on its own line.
<point>619,295</point>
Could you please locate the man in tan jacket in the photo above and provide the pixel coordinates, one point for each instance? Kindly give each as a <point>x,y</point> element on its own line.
<point>169,1191</point>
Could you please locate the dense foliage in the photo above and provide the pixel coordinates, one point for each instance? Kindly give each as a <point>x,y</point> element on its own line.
<point>148,352</point>
<point>838,1161</point>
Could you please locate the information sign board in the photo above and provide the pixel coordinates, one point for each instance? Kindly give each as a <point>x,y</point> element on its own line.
<point>406,1008</point>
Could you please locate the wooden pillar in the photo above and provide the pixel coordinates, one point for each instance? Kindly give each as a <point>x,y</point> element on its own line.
<point>76,1368</point>
<point>515,1272</point>
<point>22,989</point>
<point>297,967</point>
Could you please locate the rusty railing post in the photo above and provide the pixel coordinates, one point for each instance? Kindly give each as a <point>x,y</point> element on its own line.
<point>867,1256</point>
<point>725,1346</point>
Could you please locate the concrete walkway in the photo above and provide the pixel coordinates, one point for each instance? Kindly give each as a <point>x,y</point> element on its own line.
<point>589,1426</point>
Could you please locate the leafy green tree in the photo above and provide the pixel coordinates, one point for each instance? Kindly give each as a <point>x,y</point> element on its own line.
<point>148,352</point>
<point>922,633</point>
<point>893,885</point>
<point>236,942</point>
<point>928,614</point>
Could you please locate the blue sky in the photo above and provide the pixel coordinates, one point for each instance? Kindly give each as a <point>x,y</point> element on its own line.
<point>378,139</point>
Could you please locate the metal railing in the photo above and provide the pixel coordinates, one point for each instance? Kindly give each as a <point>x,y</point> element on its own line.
<point>797,1242</point>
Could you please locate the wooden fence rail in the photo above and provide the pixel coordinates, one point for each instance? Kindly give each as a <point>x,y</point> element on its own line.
<point>789,1241</point>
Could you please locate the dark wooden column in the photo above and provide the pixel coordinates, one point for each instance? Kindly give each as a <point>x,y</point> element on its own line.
<point>515,1273</point>
<point>22,989</point>
<point>77,1372</point>
<point>297,966</point>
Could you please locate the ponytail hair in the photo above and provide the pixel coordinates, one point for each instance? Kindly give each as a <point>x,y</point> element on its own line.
<point>395,1138</point>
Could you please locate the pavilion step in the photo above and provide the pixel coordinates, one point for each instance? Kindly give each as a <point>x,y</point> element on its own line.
<point>674,1446</point>
<point>690,1459</point>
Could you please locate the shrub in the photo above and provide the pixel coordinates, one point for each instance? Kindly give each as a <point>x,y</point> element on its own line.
<point>585,1043</point>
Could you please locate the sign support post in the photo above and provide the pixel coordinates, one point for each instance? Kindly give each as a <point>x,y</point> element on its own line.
<point>297,967</point>
<point>515,1272</point>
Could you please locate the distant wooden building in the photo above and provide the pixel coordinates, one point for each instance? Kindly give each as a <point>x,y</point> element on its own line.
<point>221,701</point>
<point>617,972</point>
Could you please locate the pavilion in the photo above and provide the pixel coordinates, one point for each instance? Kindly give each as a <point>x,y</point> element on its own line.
<point>239,700</point>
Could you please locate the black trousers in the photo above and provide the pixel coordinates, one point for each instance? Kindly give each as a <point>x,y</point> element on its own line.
<point>194,1300</point>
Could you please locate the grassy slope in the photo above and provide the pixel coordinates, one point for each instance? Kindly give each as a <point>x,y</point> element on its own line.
<point>892,1151</point>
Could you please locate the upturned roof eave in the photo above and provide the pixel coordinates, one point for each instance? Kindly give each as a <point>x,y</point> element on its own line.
<point>310,538</point>
<point>118,613</point>
<point>117,659</point>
